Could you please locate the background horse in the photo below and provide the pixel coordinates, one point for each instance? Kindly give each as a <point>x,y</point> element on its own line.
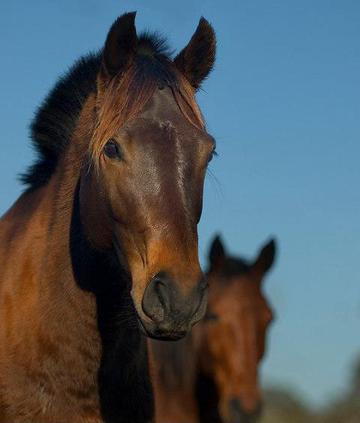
<point>212,375</point>
<point>103,243</point>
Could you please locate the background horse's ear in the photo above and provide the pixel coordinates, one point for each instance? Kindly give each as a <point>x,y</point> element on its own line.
<point>217,252</point>
<point>265,257</point>
<point>120,45</point>
<point>196,60</point>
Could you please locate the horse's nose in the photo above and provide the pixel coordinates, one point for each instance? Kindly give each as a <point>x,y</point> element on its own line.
<point>171,312</point>
<point>239,415</point>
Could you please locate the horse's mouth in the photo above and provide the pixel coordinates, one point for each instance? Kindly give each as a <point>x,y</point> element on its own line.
<point>161,333</point>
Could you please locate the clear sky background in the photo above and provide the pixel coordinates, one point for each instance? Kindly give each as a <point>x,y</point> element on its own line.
<point>284,105</point>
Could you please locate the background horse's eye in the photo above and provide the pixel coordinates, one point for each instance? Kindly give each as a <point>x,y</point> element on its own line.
<point>112,150</point>
<point>211,317</point>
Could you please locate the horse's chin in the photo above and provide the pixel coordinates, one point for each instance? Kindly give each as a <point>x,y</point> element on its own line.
<point>154,331</point>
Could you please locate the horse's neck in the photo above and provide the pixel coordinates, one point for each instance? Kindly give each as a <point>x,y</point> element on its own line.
<point>51,361</point>
<point>101,289</point>
<point>84,339</point>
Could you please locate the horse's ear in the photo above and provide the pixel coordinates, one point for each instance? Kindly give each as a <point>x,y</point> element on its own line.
<point>217,252</point>
<point>265,257</point>
<point>120,45</point>
<point>197,59</point>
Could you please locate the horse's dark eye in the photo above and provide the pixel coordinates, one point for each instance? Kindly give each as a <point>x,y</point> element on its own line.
<point>212,154</point>
<point>112,150</point>
<point>211,317</point>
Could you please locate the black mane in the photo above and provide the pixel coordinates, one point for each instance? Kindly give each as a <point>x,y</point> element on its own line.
<point>55,119</point>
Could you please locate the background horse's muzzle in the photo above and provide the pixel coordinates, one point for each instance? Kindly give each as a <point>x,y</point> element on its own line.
<point>171,312</point>
<point>239,415</point>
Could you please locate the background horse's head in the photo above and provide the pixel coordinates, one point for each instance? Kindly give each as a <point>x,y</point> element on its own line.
<point>141,192</point>
<point>234,330</point>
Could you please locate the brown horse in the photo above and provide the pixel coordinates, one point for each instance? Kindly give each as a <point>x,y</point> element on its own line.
<point>103,244</point>
<point>212,375</point>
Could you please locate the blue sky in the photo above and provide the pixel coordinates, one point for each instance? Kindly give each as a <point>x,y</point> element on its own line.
<point>284,105</point>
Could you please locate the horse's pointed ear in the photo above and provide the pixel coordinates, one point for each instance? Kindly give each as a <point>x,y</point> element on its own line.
<point>265,257</point>
<point>197,59</point>
<point>120,45</point>
<point>217,252</point>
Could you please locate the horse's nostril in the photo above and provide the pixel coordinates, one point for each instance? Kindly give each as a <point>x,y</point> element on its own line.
<point>169,308</point>
<point>235,406</point>
<point>162,291</point>
<point>239,415</point>
<point>156,298</point>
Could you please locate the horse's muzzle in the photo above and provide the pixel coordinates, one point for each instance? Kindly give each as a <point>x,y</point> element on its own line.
<point>239,415</point>
<point>170,313</point>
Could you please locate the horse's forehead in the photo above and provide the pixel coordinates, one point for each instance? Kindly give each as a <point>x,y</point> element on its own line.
<point>237,294</point>
<point>162,124</point>
<point>163,107</point>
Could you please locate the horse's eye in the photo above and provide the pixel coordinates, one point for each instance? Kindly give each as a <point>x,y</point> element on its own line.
<point>112,150</point>
<point>212,154</point>
<point>211,317</point>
